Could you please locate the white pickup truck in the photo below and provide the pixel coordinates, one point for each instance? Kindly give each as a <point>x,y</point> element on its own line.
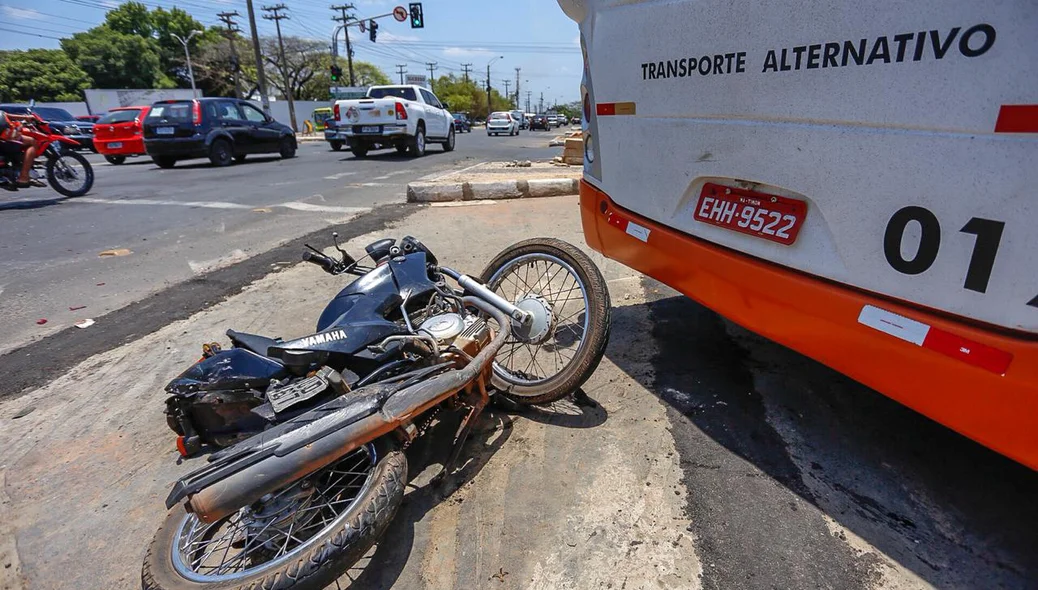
<point>403,117</point>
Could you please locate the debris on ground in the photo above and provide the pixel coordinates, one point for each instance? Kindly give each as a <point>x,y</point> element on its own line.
<point>41,321</point>
<point>23,412</point>
<point>77,307</point>
<point>500,575</point>
<point>85,323</point>
<point>115,252</point>
<point>519,164</point>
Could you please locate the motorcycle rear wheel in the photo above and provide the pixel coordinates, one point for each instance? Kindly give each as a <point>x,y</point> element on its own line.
<point>64,177</point>
<point>545,273</point>
<point>185,556</point>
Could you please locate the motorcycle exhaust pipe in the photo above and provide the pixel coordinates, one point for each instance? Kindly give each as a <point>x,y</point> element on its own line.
<point>226,496</point>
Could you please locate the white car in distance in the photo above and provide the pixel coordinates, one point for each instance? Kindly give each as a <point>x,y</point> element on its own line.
<point>502,122</point>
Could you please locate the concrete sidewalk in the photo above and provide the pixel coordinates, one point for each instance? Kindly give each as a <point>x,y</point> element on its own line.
<point>560,498</point>
<point>497,181</point>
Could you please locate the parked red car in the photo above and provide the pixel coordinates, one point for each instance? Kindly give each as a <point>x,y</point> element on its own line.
<point>117,135</point>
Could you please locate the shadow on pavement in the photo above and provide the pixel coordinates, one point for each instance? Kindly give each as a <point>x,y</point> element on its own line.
<point>252,159</point>
<point>949,510</point>
<point>29,204</point>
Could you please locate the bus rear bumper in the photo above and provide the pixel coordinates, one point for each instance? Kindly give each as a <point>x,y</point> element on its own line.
<point>978,381</point>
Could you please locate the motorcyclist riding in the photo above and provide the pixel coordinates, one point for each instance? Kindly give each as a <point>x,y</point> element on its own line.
<point>13,144</point>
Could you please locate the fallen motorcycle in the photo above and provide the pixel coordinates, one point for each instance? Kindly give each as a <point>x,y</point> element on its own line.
<point>312,430</point>
<point>67,171</point>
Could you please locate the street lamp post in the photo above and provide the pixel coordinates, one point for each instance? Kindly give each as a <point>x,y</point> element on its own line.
<point>489,107</point>
<point>187,53</point>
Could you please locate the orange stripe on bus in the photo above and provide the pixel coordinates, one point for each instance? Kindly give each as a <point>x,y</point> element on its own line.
<point>1017,118</point>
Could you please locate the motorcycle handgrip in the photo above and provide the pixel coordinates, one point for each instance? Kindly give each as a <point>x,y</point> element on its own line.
<point>320,260</point>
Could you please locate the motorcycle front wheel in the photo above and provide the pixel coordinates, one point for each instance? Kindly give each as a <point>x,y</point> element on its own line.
<point>304,536</point>
<point>70,173</point>
<point>569,300</point>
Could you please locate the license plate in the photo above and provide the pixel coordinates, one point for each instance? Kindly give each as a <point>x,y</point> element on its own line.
<point>294,393</point>
<point>115,145</point>
<point>165,130</point>
<point>771,217</point>
<point>370,129</point>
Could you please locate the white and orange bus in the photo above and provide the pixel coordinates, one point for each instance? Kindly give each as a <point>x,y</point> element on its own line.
<point>855,180</point>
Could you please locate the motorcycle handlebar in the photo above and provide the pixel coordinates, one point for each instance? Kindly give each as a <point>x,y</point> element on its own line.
<point>320,260</point>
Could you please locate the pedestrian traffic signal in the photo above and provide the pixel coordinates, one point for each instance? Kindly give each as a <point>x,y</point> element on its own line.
<point>372,30</point>
<point>417,20</point>
<point>336,73</point>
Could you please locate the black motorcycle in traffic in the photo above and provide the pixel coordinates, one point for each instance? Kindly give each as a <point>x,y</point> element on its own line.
<point>309,433</point>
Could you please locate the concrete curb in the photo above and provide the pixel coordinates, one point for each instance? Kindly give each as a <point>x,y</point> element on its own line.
<point>438,192</point>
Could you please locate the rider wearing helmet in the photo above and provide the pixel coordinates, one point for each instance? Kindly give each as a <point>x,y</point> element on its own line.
<point>13,143</point>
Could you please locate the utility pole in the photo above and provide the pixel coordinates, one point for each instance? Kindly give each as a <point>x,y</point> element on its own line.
<point>432,68</point>
<point>517,70</point>
<point>277,17</point>
<point>508,95</point>
<point>232,31</point>
<point>490,107</point>
<point>465,68</point>
<point>261,78</point>
<point>344,19</point>
<point>541,108</point>
<point>529,93</point>
<point>401,69</point>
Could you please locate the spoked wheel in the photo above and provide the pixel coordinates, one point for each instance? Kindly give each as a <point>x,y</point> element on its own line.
<point>305,535</point>
<point>70,174</point>
<point>569,300</point>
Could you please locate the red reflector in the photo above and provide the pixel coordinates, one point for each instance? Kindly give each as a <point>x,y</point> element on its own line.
<point>605,109</point>
<point>1017,118</point>
<point>977,354</point>
<point>181,446</point>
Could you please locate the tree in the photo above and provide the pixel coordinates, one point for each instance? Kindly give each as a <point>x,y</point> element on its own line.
<point>303,62</point>
<point>117,60</point>
<point>46,75</point>
<point>469,97</point>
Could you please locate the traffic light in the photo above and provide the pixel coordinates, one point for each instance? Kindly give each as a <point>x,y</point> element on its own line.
<point>417,20</point>
<point>336,73</point>
<point>372,30</point>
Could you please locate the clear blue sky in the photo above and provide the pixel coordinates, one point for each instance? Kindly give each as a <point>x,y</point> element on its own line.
<point>537,36</point>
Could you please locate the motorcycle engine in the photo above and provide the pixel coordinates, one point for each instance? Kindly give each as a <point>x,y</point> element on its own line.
<point>468,333</point>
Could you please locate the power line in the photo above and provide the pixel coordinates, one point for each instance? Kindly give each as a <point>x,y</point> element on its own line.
<point>401,69</point>
<point>466,68</point>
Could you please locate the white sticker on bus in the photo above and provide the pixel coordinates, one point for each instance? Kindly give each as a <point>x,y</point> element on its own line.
<point>893,324</point>
<point>642,233</point>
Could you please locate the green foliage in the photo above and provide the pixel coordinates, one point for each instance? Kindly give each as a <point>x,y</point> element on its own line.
<point>468,97</point>
<point>45,75</point>
<point>117,60</point>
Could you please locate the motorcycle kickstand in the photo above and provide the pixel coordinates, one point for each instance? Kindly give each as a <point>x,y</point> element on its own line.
<point>462,435</point>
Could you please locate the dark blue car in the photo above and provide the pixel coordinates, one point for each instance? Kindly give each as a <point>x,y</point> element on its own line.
<point>462,123</point>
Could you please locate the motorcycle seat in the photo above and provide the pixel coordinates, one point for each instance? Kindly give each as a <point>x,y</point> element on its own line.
<point>253,342</point>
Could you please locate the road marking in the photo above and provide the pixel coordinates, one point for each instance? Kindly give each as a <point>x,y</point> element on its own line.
<point>202,204</point>
<point>310,207</point>
<point>293,205</point>
<point>450,172</point>
<point>339,175</point>
<point>392,174</point>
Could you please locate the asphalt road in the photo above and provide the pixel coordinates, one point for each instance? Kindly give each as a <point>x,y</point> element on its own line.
<point>180,223</point>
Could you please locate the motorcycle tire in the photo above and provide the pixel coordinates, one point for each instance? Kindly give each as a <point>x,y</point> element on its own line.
<point>52,174</point>
<point>320,561</point>
<point>596,334</point>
